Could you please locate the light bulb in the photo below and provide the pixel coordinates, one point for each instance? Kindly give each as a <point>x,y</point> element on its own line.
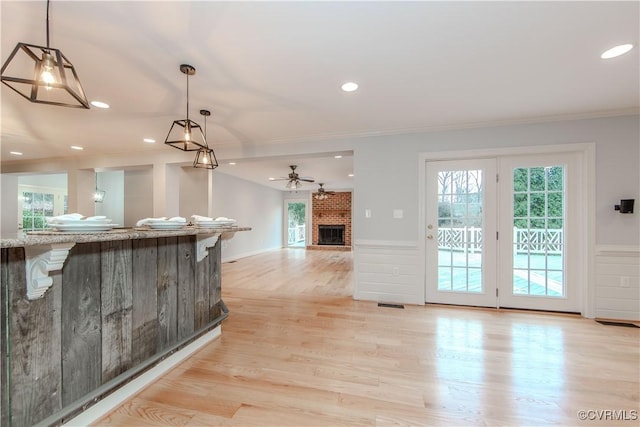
<point>187,132</point>
<point>46,76</point>
<point>204,159</point>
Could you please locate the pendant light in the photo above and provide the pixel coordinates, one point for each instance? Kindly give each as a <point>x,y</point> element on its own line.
<point>98,195</point>
<point>43,75</point>
<point>205,157</point>
<point>185,134</point>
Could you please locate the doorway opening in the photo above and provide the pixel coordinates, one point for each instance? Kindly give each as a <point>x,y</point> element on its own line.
<point>296,223</point>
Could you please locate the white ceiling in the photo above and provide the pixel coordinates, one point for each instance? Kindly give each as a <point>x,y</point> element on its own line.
<point>271,71</point>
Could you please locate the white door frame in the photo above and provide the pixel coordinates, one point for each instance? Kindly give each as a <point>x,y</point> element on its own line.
<point>587,153</point>
<point>285,221</point>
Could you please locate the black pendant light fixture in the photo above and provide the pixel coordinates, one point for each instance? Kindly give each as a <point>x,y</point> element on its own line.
<point>43,75</point>
<point>205,157</point>
<point>185,134</point>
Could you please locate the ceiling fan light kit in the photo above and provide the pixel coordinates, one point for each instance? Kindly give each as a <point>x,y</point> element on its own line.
<point>322,194</point>
<point>294,179</point>
<point>185,134</point>
<point>43,75</point>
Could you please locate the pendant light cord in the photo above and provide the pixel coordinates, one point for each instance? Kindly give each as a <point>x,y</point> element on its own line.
<point>47,24</point>
<point>187,95</point>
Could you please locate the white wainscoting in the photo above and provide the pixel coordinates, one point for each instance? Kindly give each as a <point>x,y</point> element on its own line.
<point>617,272</point>
<point>388,271</point>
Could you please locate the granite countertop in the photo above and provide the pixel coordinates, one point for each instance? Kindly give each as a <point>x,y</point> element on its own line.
<point>51,237</point>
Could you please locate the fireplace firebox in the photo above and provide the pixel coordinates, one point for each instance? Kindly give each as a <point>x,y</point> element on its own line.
<point>331,235</point>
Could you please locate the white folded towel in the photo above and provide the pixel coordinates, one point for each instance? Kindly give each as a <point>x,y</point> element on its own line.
<point>162,218</point>
<point>199,218</point>
<point>61,218</point>
<point>96,218</point>
<point>145,220</point>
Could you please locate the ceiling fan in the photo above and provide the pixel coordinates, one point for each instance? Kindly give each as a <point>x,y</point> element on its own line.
<point>295,179</point>
<point>322,194</point>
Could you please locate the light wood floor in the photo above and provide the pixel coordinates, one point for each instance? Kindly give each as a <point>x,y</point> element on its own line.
<point>298,351</point>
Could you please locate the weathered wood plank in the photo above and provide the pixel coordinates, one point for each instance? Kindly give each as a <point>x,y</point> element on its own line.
<point>202,287</point>
<point>186,283</point>
<point>81,322</point>
<point>145,299</point>
<point>34,328</point>
<point>167,292</point>
<point>4,309</point>
<point>215,288</point>
<point>116,284</point>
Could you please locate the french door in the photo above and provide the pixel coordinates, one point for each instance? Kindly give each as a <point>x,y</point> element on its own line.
<point>461,229</point>
<point>540,233</point>
<point>507,242</point>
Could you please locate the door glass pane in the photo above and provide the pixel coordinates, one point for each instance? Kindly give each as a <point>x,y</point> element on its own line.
<point>538,231</point>
<point>296,224</point>
<point>460,230</point>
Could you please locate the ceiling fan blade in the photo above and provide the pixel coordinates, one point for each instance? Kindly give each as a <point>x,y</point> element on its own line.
<point>306,179</point>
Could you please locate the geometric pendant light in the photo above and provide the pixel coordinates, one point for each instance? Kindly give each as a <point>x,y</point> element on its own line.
<point>43,75</point>
<point>205,157</point>
<point>185,134</point>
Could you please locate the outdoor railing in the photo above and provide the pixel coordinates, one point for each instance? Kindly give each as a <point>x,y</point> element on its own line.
<point>525,240</point>
<point>296,234</point>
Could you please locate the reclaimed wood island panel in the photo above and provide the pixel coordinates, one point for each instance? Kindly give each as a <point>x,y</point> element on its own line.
<point>122,301</point>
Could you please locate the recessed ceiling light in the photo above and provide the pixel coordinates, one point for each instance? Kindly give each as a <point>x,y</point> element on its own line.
<point>350,175</point>
<point>616,51</point>
<point>77,147</point>
<point>99,104</point>
<point>149,140</point>
<point>15,153</point>
<point>271,179</point>
<point>337,157</point>
<point>232,163</point>
<point>349,86</point>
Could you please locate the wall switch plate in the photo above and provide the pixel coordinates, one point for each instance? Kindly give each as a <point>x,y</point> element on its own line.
<point>398,213</point>
<point>624,282</point>
<point>395,271</point>
<point>367,213</point>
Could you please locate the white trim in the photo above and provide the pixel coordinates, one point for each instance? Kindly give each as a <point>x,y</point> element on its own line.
<point>115,399</point>
<point>398,244</point>
<point>617,250</point>
<point>248,254</point>
<point>507,151</point>
<point>285,220</point>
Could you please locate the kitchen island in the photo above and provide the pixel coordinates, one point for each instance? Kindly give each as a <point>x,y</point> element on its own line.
<point>82,314</point>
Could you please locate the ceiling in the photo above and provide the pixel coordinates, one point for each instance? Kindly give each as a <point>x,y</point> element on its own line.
<point>271,71</point>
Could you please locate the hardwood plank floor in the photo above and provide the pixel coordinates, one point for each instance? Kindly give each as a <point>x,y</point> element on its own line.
<point>297,350</point>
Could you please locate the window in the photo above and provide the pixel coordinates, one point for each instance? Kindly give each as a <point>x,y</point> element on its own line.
<point>35,207</point>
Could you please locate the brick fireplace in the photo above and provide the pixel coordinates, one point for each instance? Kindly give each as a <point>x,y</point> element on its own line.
<point>333,214</point>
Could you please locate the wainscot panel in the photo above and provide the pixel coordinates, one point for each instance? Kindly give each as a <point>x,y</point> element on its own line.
<point>617,273</point>
<point>388,271</point>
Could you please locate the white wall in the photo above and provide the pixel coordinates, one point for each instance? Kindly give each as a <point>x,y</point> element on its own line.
<point>112,182</point>
<point>252,205</point>
<point>386,172</point>
<point>138,195</point>
<point>8,206</point>
<point>194,192</point>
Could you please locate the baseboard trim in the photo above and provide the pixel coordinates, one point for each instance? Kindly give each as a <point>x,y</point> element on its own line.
<point>115,399</point>
<point>248,254</point>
